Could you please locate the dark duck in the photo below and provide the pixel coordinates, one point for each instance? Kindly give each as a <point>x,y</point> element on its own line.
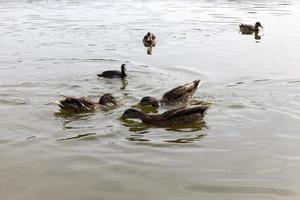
<point>178,116</point>
<point>114,73</point>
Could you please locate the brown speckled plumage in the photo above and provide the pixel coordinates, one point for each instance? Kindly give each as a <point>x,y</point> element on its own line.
<point>84,104</point>
<point>248,29</point>
<point>179,116</point>
<point>177,97</point>
<point>149,40</point>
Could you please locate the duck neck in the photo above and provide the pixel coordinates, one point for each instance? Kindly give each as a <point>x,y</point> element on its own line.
<point>123,72</point>
<point>142,116</point>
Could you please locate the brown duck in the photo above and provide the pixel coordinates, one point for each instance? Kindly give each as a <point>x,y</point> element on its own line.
<point>149,40</point>
<point>177,97</point>
<point>84,104</point>
<point>249,29</point>
<point>178,116</point>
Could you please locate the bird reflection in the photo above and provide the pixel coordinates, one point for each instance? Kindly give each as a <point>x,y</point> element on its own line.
<point>188,133</point>
<point>257,35</point>
<point>136,125</point>
<point>69,118</point>
<point>149,50</point>
<point>124,84</point>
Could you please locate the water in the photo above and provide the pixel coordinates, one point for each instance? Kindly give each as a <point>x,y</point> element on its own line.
<point>248,147</point>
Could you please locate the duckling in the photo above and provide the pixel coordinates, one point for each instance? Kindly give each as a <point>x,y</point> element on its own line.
<point>149,40</point>
<point>114,73</point>
<point>84,104</point>
<point>249,29</point>
<point>178,116</point>
<point>177,97</point>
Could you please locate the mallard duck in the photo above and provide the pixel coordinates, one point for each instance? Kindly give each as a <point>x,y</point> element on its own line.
<point>114,73</point>
<point>177,97</point>
<point>178,116</point>
<point>247,29</point>
<point>149,40</point>
<point>84,104</point>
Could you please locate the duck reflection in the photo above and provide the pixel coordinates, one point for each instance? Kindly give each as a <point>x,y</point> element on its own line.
<point>257,35</point>
<point>196,138</point>
<point>135,126</point>
<point>149,50</point>
<point>186,134</point>
<point>124,84</point>
<point>70,118</point>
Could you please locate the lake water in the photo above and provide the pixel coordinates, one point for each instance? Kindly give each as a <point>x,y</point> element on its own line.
<point>248,148</point>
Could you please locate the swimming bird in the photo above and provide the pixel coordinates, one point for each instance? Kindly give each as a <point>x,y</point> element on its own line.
<point>248,29</point>
<point>178,116</point>
<point>177,97</point>
<point>114,73</point>
<point>84,104</point>
<point>149,40</point>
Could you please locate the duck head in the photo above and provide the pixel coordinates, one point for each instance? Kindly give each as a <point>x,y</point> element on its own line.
<point>257,25</point>
<point>148,35</point>
<point>123,70</point>
<point>107,99</point>
<point>132,114</point>
<point>149,101</point>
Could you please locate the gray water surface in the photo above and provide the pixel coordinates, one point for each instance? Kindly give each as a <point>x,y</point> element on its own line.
<point>248,147</point>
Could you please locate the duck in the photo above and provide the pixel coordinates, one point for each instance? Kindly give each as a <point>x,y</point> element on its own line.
<point>149,40</point>
<point>249,29</point>
<point>114,73</point>
<point>84,104</point>
<point>177,116</point>
<point>177,97</point>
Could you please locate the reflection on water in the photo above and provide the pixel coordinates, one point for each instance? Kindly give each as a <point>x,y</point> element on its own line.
<point>185,133</point>
<point>240,189</point>
<point>247,148</point>
<point>136,126</point>
<point>80,136</point>
<point>149,50</point>
<point>124,84</point>
<point>257,35</point>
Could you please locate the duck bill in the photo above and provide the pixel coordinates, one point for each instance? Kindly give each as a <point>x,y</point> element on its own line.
<point>138,105</point>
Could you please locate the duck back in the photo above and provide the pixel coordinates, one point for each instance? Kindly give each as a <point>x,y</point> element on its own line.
<point>111,74</point>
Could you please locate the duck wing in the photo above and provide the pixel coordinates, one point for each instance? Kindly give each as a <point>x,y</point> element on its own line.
<point>184,112</point>
<point>183,92</point>
<point>246,28</point>
<point>72,104</point>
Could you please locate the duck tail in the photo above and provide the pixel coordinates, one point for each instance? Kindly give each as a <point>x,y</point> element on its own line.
<point>197,83</point>
<point>204,110</point>
<point>57,102</point>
